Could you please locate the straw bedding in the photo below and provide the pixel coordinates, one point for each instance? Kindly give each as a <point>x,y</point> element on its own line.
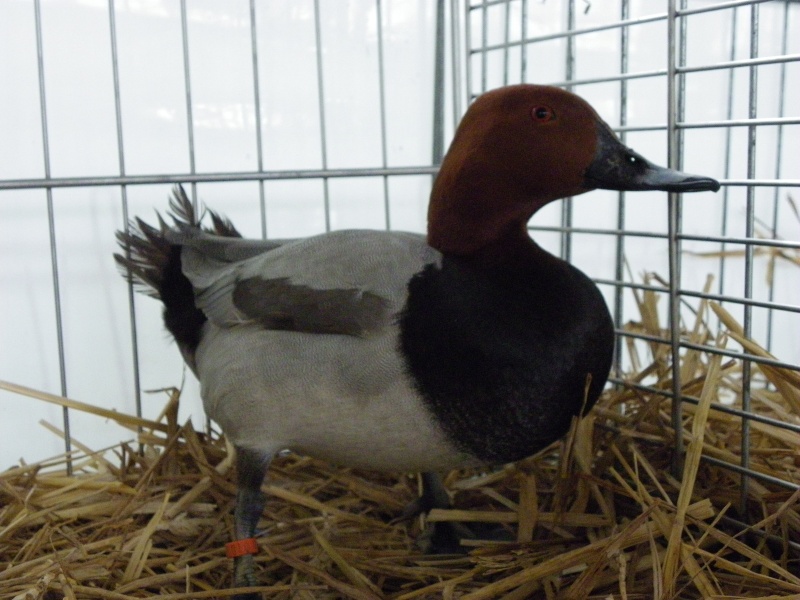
<point>597,515</point>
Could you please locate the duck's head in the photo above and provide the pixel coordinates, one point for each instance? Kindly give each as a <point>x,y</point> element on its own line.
<point>518,148</point>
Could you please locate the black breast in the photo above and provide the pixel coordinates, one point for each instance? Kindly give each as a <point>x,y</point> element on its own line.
<point>502,357</point>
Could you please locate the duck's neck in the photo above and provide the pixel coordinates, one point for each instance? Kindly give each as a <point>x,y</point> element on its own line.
<point>480,212</point>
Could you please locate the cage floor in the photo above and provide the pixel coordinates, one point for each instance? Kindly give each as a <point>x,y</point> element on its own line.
<point>597,515</point>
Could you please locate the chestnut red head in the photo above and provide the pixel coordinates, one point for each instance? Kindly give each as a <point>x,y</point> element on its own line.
<point>520,147</point>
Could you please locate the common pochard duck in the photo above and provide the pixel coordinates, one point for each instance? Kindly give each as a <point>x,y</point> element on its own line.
<point>395,351</point>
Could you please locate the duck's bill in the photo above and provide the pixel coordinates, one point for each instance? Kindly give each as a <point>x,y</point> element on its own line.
<point>617,167</point>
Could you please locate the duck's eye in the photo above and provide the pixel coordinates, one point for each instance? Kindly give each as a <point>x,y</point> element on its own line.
<point>542,114</point>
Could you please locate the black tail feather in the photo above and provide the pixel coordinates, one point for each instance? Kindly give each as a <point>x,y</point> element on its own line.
<point>146,256</point>
<point>182,209</point>
<point>146,251</point>
<point>222,226</point>
<point>152,263</point>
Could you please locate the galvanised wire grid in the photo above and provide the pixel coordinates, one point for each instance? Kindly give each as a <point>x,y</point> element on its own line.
<point>712,86</point>
<point>729,76</point>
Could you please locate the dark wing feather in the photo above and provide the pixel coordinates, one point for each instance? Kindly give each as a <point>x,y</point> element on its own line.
<point>280,304</point>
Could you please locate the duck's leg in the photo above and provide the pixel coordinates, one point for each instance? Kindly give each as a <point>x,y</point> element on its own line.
<point>443,537</point>
<point>434,494</point>
<point>251,466</point>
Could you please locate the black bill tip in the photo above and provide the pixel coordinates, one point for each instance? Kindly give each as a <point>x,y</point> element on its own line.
<point>647,176</point>
<point>696,183</point>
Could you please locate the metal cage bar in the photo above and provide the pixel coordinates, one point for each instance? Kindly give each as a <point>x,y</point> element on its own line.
<point>673,233</point>
<point>112,26</point>
<point>187,82</point>
<point>323,137</point>
<point>262,202</point>
<point>51,226</point>
<point>382,104</point>
<point>619,250</point>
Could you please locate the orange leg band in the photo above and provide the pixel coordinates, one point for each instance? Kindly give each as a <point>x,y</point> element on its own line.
<point>243,547</point>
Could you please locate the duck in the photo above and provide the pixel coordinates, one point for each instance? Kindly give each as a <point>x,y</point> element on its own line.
<point>386,350</point>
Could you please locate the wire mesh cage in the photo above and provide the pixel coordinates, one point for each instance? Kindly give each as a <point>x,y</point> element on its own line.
<point>724,89</point>
<point>294,118</point>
